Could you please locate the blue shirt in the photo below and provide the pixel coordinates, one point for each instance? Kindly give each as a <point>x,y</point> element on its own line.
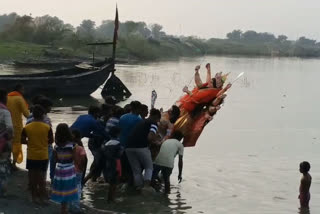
<point>87,124</point>
<point>112,122</point>
<point>127,123</point>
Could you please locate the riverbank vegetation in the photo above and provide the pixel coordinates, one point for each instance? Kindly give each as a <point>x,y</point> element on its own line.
<point>24,37</point>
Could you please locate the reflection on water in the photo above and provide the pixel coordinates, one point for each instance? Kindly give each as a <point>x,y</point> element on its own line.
<point>247,158</point>
<point>129,201</point>
<point>304,211</point>
<point>76,101</point>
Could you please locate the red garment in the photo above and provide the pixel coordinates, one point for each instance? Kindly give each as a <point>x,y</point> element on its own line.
<point>191,127</point>
<point>118,167</point>
<point>80,154</point>
<point>198,96</point>
<point>194,130</point>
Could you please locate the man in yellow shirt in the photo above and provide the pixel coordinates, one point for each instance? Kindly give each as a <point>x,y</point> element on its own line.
<point>17,107</point>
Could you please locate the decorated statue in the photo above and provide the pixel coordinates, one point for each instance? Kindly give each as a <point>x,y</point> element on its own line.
<point>199,106</point>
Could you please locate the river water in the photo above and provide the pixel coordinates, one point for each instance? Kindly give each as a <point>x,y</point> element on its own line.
<point>247,159</point>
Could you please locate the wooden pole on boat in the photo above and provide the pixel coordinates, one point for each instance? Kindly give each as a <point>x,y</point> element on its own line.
<point>115,34</point>
<point>114,86</point>
<point>93,56</point>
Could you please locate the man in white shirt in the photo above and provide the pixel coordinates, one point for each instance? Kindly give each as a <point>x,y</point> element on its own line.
<point>164,162</point>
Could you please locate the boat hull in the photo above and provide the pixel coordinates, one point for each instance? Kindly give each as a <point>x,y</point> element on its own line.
<point>75,84</point>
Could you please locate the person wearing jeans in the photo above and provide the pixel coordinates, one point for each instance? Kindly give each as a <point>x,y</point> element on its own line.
<point>139,159</point>
<point>138,151</point>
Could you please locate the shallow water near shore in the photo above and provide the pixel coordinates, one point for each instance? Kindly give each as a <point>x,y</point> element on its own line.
<point>246,160</point>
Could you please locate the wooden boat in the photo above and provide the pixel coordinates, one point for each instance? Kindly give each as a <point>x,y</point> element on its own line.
<point>115,89</point>
<point>67,82</point>
<point>54,65</point>
<point>45,64</point>
<point>81,80</point>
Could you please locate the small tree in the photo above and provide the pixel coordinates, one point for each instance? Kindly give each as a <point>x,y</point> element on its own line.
<point>6,21</point>
<point>22,29</point>
<point>86,30</point>
<point>48,29</point>
<point>303,41</point>
<point>235,35</point>
<point>250,36</point>
<point>156,31</point>
<point>282,38</point>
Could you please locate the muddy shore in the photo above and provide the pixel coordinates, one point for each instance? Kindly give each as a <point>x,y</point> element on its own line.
<point>18,200</point>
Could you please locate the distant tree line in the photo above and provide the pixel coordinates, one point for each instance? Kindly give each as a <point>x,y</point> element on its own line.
<point>142,41</point>
<point>268,43</point>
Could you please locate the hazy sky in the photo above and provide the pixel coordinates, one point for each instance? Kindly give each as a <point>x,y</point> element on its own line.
<point>203,18</point>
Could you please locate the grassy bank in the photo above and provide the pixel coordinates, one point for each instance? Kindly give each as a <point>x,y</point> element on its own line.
<point>137,48</point>
<point>133,49</point>
<point>18,50</point>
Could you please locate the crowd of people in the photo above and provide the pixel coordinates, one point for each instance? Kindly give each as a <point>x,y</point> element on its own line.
<point>129,145</point>
<point>124,142</point>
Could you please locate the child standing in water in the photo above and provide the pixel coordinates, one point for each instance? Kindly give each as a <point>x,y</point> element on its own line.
<point>112,154</point>
<point>64,187</point>
<point>305,184</point>
<point>37,135</point>
<point>80,164</point>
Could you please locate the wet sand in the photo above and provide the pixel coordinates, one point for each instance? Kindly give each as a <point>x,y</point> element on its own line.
<point>18,200</point>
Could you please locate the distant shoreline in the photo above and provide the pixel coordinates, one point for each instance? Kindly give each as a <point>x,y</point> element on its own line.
<point>24,51</point>
<point>11,51</point>
<point>25,36</point>
<point>137,61</point>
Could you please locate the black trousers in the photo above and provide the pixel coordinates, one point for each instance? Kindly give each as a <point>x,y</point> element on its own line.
<point>165,171</point>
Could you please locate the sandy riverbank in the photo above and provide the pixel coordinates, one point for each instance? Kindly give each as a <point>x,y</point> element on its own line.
<point>18,201</point>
